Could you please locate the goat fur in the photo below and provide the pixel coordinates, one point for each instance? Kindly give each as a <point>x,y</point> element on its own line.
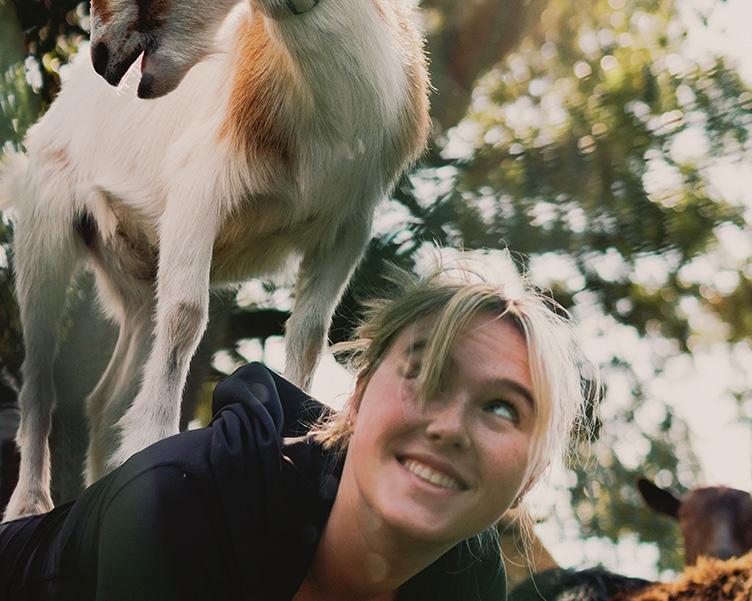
<point>709,580</point>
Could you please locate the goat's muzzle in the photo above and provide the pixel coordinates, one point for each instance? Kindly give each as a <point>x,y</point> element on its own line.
<point>100,57</point>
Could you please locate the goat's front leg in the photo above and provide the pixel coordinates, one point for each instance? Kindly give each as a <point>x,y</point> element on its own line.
<point>187,231</point>
<point>323,276</point>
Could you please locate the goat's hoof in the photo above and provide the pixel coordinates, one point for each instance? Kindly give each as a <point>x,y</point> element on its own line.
<point>27,504</point>
<point>118,458</point>
<point>94,471</point>
<point>130,446</point>
<point>137,434</point>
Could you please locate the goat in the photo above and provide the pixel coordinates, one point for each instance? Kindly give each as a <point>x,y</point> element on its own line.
<point>715,521</point>
<point>283,129</point>
<point>710,579</point>
<point>716,525</point>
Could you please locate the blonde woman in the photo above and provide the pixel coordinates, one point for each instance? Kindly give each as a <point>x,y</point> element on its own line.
<point>466,391</point>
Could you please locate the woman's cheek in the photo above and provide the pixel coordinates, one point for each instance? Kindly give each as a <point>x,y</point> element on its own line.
<point>406,393</point>
<point>511,462</point>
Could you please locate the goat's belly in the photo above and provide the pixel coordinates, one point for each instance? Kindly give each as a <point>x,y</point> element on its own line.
<point>254,256</point>
<point>251,246</point>
<point>263,261</point>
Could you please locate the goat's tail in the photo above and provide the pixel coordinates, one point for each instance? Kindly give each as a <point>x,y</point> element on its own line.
<point>13,169</point>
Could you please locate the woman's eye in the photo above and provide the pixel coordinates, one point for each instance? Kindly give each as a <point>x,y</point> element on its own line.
<point>504,409</point>
<point>411,371</point>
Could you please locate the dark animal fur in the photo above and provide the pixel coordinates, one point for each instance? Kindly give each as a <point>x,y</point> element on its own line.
<point>595,584</point>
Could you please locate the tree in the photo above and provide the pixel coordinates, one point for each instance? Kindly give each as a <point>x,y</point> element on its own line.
<point>578,153</point>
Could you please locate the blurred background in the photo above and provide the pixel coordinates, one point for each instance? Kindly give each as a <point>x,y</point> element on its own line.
<point>606,145</point>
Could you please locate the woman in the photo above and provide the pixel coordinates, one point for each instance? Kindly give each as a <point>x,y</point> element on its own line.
<point>465,391</point>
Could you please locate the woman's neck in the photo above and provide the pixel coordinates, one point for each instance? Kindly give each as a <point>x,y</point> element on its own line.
<point>359,558</point>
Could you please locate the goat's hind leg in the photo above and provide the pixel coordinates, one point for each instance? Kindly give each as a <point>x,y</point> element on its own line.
<point>125,265</point>
<point>114,391</point>
<point>46,254</point>
<point>95,405</point>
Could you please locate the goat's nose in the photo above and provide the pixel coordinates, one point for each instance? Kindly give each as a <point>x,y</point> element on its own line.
<point>725,553</point>
<point>100,57</point>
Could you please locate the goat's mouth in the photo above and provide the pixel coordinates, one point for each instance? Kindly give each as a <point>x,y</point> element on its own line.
<point>158,75</point>
<point>110,67</point>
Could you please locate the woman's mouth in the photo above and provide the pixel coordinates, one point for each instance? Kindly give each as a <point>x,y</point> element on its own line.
<point>431,475</point>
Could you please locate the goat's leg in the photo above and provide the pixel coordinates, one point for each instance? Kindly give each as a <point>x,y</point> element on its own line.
<point>45,258</point>
<point>324,273</point>
<point>95,404</point>
<point>108,401</point>
<point>187,231</point>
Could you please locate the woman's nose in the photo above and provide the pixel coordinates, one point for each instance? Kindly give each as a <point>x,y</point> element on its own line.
<point>447,423</point>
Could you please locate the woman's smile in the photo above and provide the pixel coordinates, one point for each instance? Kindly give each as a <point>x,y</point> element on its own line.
<point>436,478</point>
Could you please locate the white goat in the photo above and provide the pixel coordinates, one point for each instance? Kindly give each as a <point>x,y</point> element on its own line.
<point>285,128</point>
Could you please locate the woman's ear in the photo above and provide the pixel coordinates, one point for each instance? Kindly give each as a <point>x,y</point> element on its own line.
<point>526,488</point>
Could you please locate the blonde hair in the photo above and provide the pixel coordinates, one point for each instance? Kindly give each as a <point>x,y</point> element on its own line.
<point>450,296</point>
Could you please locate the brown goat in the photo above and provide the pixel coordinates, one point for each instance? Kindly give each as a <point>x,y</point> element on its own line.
<point>709,580</point>
<point>715,521</point>
<point>716,525</point>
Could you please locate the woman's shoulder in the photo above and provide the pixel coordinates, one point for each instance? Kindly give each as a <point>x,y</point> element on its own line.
<point>237,467</point>
<point>260,392</point>
<point>254,411</point>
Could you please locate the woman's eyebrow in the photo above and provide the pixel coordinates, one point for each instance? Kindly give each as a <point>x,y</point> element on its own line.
<point>517,388</point>
<point>418,344</point>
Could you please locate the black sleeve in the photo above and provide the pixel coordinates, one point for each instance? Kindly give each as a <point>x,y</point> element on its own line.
<point>159,541</point>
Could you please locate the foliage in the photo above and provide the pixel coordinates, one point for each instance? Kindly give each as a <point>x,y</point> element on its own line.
<point>591,148</point>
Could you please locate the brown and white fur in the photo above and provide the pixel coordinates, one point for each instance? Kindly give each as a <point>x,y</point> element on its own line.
<point>284,133</point>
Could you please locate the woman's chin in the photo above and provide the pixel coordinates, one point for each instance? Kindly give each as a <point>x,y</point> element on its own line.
<point>418,522</point>
<point>419,510</point>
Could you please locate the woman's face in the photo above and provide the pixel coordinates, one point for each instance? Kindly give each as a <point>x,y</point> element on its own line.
<point>446,470</point>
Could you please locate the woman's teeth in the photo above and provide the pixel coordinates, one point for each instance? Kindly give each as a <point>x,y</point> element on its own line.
<point>431,475</point>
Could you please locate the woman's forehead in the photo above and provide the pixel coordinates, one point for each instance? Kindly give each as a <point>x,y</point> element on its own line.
<point>488,340</point>
<point>416,336</point>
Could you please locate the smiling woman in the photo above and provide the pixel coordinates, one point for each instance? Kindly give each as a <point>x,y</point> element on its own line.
<point>434,312</point>
<point>465,391</point>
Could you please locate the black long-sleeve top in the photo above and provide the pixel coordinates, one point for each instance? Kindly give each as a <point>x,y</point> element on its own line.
<point>228,512</point>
